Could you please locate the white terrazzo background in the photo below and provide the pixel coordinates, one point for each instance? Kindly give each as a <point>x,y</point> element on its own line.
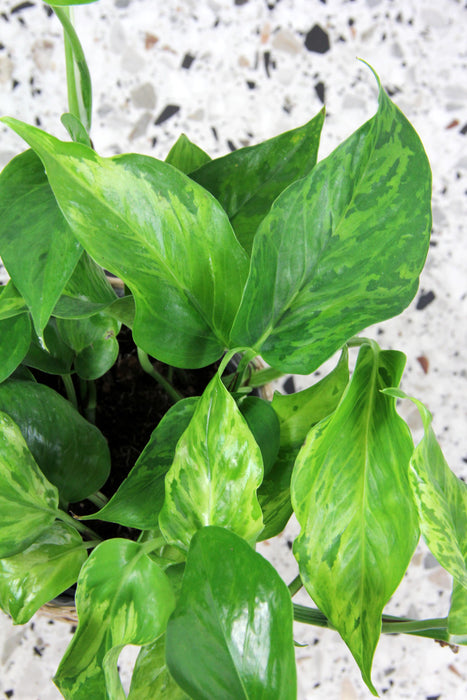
<point>252,77</point>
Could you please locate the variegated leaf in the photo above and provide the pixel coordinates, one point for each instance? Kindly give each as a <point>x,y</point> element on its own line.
<point>215,473</point>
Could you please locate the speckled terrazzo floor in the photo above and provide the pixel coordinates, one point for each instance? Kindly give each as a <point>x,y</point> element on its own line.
<point>232,73</point>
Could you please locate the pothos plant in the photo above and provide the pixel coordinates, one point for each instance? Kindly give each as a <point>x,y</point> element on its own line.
<point>263,252</point>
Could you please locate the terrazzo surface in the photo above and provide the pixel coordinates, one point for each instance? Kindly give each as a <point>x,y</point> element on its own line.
<point>229,74</point>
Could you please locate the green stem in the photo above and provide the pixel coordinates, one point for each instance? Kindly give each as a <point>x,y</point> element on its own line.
<point>146,364</point>
<point>295,585</point>
<point>91,402</point>
<point>98,499</point>
<point>261,377</point>
<point>70,389</point>
<point>77,524</point>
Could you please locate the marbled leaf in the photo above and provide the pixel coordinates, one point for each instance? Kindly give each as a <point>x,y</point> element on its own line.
<point>186,156</point>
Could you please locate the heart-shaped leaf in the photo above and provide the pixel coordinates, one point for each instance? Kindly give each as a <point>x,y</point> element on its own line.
<point>230,636</point>
<point>186,156</point>
<point>216,470</point>
<point>352,497</point>
<point>131,606</point>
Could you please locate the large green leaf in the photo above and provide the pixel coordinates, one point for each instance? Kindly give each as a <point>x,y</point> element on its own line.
<point>216,470</point>
<point>139,498</point>
<point>151,677</point>
<point>28,502</point>
<point>15,339</point>
<point>351,494</point>
<point>247,181</point>
<point>122,597</point>
<point>340,249</point>
<point>165,236</point>
<point>41,572</point>
<point>230,636</point>
<point>72,453</point>
<point>297,414</point>
<point>37,246</point>
<point>186,156</point>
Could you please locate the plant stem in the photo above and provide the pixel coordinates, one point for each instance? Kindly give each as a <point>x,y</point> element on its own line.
<point>146,364</point>
<point>77,524</point>
<point>91,402</point>
<point>407,626</point>
<point>260,377</point>
<point>98,499</point>
<point>295,585</point>
<point>70,389</point>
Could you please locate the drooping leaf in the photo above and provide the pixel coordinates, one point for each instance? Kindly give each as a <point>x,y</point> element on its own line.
<point>340,249</point>
<point>37,246</point>
<point>265,427</point>
<point>186,156</point>
<point>230,636</point>
<point>72,453</point>
<point>165,236</point>
<point>297,414</point>
<point>15,339</point>
<point>351,494</point>
<point>247,181</point>
<point>55,358</point>
<point>139,498</point>
<point>216,470</point>
<point>28,502</point>
<point>151,677</point>
<point>94,340</point>
<point>41,572</point>
<point>75,127</point>
<point>130,606</point>
<point>87,292</point>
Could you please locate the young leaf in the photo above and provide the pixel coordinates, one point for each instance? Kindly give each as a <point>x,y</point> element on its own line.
<point>186,156</point>
<point>72,453</point>
<point>15,339</point>
<point>351,494</point>
<point>131,606</point>
<point>151,677</point>
<point>55,358</point>
<point>94,339</point>
<point>36,244</point>
<point>87,292</point>
<point>139,499</point>
<point>297,414</point>
<point>216,470</point>
<point>230,636</point>
<point>41,572</point>
<point>28,502</point>
<point>75,128</point>
<point>165,236</point>
<point>312,283</point>
<point>247,181</point>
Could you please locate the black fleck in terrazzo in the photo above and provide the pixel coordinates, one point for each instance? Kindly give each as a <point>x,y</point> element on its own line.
<point>229,73</point>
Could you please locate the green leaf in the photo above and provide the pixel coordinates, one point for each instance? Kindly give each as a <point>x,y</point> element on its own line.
<point>69,3</point>
<point>75,127</point>
<point>87,292</point>
<point>312,282</point>
<point>41,572</point>
<point>165,236</point>
<point>230,636</point>
<point>55,358</point>
<point>151,677</point>
<point>15,339</point>
<point>94,339</point>
<point>216,470</point>
<point>72,453</point>
<point>186,156</point>
<point>130,606</point>
<point>28,502</point>
<point>37,246</point>
<point>247,181</point>
<point>457,618</point>
<point>351,494</point>
<point>264,425</point>
<point>139,498</point>
<point>441,499</point>
<point>297,414</point>
<point>11,301</point>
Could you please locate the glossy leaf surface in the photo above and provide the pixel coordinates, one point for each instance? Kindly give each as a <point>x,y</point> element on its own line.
<point>131,606</point>
<point>94,340</point>
<point>151,677</point>
<point>247,181</point>
<point>230,636</point>
<point>72,453</point>
<point>41,572</point>
<point>216,470</point>
<point>186,156</point>
<point>165,236</point>
<point>351,494</point>
<point>15,339</point>
<point>28,502</point>
<point>265,427</point>
<point>312,282</point>
<point>139,499</point>
<point>37,246</point>
<point>297,414</point>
